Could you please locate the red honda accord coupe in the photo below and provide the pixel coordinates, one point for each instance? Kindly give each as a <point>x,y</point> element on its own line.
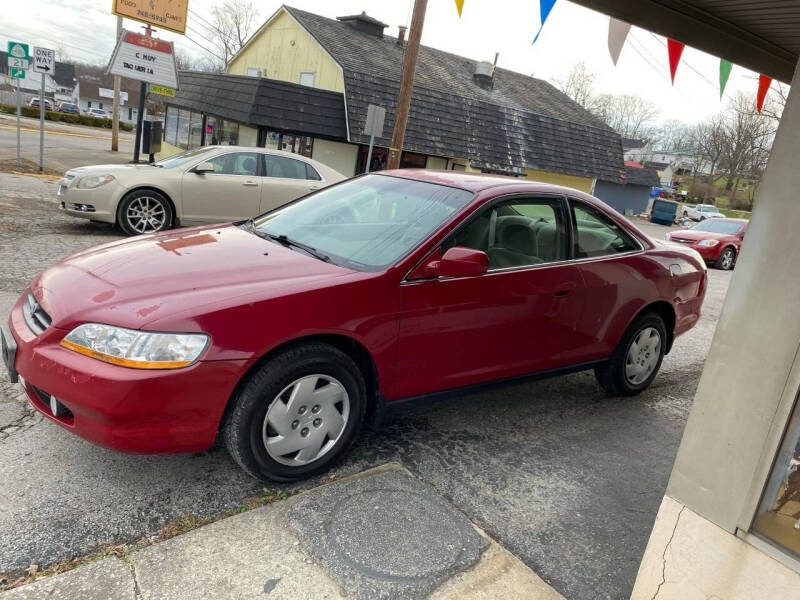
<point>718,241</point>
<point>283,333</point>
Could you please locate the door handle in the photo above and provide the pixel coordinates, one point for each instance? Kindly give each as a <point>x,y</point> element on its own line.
<point>250,183</point>
<point>313,187</point>
<point>564,289</point>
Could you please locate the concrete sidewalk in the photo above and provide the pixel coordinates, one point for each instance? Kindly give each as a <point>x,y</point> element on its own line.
<point>382,534</point>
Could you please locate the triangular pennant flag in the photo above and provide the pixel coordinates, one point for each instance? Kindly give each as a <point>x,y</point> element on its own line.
<point>724,73</point>
<point>545,6</point>
<point>763,87</point>
<point>674,49</point>
<point>459,6</point>
<point>617,32</point>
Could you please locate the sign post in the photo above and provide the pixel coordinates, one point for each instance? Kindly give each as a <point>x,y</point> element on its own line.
<point>44,62</point>
<point>148,60</point>
<point>18,57</point>
<point>374,127</point>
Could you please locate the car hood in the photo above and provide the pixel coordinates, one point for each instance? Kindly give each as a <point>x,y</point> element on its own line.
<point>124,169</point>
<point>696,236</point>
<point>139,280</point>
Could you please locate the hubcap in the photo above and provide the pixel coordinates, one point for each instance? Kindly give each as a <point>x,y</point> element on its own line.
<point>146,214</point>
<point>643,355</point>
<point>727,259</point>
<point>304,421</point>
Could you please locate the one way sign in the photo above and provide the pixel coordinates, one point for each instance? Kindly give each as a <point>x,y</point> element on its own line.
<point>44,60</point>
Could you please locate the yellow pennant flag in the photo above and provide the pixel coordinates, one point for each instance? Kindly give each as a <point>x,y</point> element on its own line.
<point>459,6</point>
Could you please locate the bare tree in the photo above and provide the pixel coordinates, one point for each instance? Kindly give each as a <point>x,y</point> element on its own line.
<point>675,136</point>
<point>631,116</point>
<point>775,103</point>
<point>579,85</point>
<point>232,24</point>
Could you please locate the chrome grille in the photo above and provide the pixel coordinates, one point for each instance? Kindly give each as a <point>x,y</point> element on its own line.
<point>35,316</point>
<point>682,240</point>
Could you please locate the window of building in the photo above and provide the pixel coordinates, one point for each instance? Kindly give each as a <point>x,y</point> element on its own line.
<point>596,234</point>
<point>253,72</point>
<point>171,126</point>
<point>288,168</point>
<point>778,517</point>
<point>100,106</point>
<point>412,160</point>
<point>521,233</point>
<point>89,104</point>
<point>195,130</point>
<point>236,163</point>
<point>297,144</point>
<point>307,78</point>
<point>183,128</point>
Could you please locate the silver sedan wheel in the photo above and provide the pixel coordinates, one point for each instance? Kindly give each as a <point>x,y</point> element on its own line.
<point>643,355</point>
<point>146,214</point>
<point>304,422</point>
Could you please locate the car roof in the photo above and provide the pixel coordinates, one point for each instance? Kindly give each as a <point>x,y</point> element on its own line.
<point>476,182</point>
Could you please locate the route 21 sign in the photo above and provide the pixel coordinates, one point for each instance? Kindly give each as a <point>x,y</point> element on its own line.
<point>145,59</point>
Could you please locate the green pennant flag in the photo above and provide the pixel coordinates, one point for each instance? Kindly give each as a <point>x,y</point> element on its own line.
<point>724,73</point>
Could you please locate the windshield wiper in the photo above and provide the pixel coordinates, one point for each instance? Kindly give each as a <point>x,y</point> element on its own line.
<point>285,241</point>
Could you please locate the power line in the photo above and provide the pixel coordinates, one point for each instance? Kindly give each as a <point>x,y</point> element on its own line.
<point>687,63</point>
<point>204,48</point>
<point>65,45</point>
<point>213,28</point>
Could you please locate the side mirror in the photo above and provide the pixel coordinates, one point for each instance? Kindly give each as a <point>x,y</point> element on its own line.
<point>741,236</point>
<point>458,261</point>
<point>204,167</point>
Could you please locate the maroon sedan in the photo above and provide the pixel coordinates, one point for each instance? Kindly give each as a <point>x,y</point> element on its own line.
<point>717,240</point>
<point>284,333</point>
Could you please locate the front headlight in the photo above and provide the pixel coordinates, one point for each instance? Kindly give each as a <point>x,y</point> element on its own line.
<point>708,243</point>
<point>136,349</point>
<point>94,181</point>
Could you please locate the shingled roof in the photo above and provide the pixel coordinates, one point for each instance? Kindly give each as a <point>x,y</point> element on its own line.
<point>522,122</point>
<point>259,101</point>
<point>641,176</point>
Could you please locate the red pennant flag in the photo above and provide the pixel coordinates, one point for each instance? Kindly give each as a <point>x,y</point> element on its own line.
<point>675,49</point>
<point>763,87</point>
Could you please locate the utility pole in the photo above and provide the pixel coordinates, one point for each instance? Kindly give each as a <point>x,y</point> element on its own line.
<point>406,85</point>
<point>148,31</point>
<point>117,86</point>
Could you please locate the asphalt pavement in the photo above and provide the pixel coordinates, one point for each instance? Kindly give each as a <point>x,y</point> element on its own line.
<point>65,146</point>
<point>566,478</point>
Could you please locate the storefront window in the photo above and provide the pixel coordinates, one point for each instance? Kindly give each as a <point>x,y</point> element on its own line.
<point>412,160</point>
<point>297,144</point>
<point>196,130</point>
<point>171,126</point>
<point>272,139</point>
<point>183,128</point>
<point>228,132</point>
<point>778,517</point>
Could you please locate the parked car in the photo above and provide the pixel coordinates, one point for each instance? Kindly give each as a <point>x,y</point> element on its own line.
<point>69,108</point>
<point>701,212</point>
<point>34,102</point>
<point>718,241</point>
<point>205,185</point>
<point>283,333</point>
<point>99,113</point>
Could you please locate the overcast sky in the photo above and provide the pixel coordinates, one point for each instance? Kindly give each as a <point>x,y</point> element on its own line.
<point>85,29</point>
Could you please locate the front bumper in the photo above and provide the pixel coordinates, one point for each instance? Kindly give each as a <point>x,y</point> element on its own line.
<point>132,410</point>
<point>98,204</point>
<point>709,253</point>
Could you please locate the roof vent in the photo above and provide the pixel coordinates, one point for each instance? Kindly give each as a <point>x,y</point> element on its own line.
<point>365,24</point>
<point>484,74</point>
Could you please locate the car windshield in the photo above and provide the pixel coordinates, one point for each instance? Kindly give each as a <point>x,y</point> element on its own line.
<point>707,208</point>
<point>718,226</point>
<point>177,160</point>
<point>367,223</point>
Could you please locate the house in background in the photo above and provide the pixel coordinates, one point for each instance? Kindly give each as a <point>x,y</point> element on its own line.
<point>632,196</point>
<point>465,114</point>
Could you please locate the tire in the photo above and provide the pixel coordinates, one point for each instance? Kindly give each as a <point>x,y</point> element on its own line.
<point>685,215</point>
<point>613,376</point>
<point>726,260</point>
<point>153,204</point>
<point>273,406</point>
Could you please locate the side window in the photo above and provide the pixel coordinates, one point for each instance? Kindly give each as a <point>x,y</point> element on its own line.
<point>597,234</point>
<point>518,233</point>
<point>311,173</point>
<point>236,163</point>
<point>281,166</point>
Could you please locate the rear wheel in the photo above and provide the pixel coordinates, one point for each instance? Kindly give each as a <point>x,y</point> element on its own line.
<point>636,359</point>
<point>144,211</point>
<point>726,259</point>
<point>297,414</point>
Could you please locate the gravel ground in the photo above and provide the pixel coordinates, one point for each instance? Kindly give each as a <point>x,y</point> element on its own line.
<point>565,477</point>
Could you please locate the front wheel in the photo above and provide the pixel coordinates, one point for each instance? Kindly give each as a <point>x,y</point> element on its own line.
<point>636,359</point>
<point>144,211</point>
<point>297,414</point>
<point>726,259</point>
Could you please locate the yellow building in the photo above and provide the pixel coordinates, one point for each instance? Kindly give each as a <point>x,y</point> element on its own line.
<point>465,115</point>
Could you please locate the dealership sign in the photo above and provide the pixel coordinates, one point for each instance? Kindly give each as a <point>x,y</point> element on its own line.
<point>144,58</point>
<point>168,14</point>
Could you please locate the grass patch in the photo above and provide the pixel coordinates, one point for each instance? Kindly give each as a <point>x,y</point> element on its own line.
<point>182,524</point>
